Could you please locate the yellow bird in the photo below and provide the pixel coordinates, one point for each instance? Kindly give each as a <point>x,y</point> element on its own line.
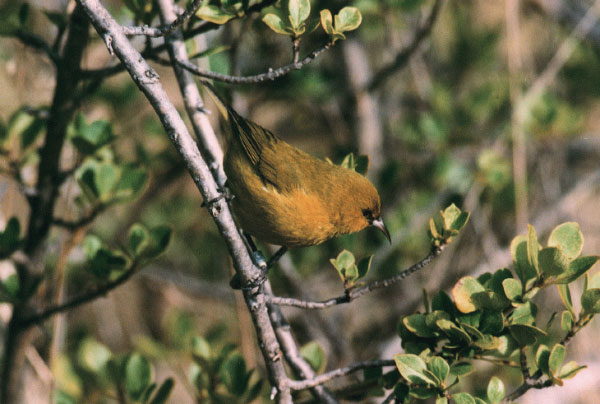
<point>287,197</point>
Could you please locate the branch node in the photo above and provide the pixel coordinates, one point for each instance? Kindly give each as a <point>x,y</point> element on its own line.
<point>108,39</point>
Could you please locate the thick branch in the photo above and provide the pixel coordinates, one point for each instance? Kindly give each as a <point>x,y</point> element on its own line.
<point>404,55</point>
<point>355,293</point>
<point>147,80</point>
<point>164,29</point>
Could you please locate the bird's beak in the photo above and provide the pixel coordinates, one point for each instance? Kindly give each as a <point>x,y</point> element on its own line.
<point>381,226</point>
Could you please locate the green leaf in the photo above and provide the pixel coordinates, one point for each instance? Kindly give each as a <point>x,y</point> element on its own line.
<point>552,261</point>
<point>454,332</point>
<point>9,288</point>
<point>526,334</point>
<point>138,375</point>
<point>413,369</point>
<point>276,24</point>
<point>518,251</point>
<point>495,390</point>
<point>450,215</point>
<point>201,348</point>
<point>566,321</point>
<point>492,322</point>
<point>594,281</point>
<point>105,261</point>
<point>557,356</point>
<point>327,22</point>
<point>138,238</point>
<point>577,267</point>
<point>315,355</point>
<point>441,301</point>
<point>542,357</point>
<point>31,133</point>
<point>590,301</point>
<point>105,179</point>
<point>9,237</point>
<point>533,248</point>
<point>362,164</point>
<point>569,370</point>
<point>524,314</point>
<point>160,237</point>
<point>92,355</point>
<point>463,398</point>
<point>23,13</point>
<point>299,12</point>
<point>441,400</point>
<point>214,14</point>
<point>512,289</point>
<point>163,393</point>
<point>463,291</point>
<point>233,374</point>
<point>364,265</point>
<point>461,368</point>
<point>416,324</point>
<point>565,297</point>
<point>439,367</point>
<point>132,182</point>
<point>568,238</point>
<point>348,19</point>
<point>89,139</point>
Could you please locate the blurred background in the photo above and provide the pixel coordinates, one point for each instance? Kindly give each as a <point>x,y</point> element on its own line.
<point>493,106</point>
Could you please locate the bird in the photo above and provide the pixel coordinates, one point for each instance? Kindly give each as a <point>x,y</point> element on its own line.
<point>285,196</point>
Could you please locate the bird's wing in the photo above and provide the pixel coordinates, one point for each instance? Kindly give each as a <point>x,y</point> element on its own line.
<point>263,149</point>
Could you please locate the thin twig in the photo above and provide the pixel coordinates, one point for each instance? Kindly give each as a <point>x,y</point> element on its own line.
<point>355,293</point>
<point>325,377</point>
<point>79,300</point>
<point>404,55</point>
<point>272,74</point>
<point>81,222</point>
<point>164,29</point>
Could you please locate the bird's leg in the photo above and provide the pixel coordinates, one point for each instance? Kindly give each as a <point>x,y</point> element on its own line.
<point>277,256</point>
<point>259,258</point>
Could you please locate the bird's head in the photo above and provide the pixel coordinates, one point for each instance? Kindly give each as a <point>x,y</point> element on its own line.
<point>362,207</point>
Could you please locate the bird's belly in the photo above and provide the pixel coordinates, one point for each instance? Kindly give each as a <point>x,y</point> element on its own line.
<point>294,220</point>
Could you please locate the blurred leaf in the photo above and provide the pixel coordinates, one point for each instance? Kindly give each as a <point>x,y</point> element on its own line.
<point>92,355</point>
<point>233,374</point>
<point>23,13</point>
<point>201,348</point>
<point>89,138</point>
<point>31,133</point>
<point>138,376</point>
<point>568,238</point>
<point>533,248</point>
<point>210,51</point>
<point>163,393</point>
<point>315,355</point>
<point>138,238</point>
<point>9,238</point>
<point>364,265</point>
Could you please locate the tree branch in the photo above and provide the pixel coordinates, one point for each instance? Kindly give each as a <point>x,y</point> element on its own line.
<point>35,42</point>
<point>325,377</point>
<point>148,82</point>
<point>352,294</point>
<point>258,78</point>
<point>404,55</point>
<point>78,300</point>
<point>164,29</point>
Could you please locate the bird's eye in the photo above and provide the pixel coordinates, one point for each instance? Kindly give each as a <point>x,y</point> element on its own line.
<point>367,213</point>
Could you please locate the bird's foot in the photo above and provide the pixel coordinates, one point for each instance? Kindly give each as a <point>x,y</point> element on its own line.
<point>223,194</point>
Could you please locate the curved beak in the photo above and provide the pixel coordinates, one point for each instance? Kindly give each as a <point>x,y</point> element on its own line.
<point>378,223</point>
